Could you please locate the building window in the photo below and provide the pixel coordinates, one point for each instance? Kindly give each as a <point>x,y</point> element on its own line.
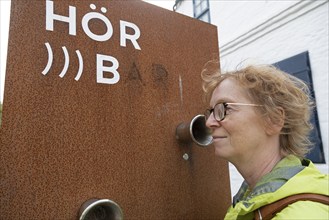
<point>201,10</point>
<point>299,66</point>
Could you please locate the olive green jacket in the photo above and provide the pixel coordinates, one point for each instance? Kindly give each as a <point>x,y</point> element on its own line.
<point>289,177</point>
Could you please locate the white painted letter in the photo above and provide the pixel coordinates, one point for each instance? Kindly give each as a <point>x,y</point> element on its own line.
<point>112,69</point>
<point>50,17</point>
<point>93,15</point>
<point>124,36</point>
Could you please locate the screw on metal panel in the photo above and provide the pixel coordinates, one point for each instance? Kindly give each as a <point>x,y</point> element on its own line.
<point>185,156</point>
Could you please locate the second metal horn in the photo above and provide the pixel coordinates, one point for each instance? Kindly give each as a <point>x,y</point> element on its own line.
<point>100,209</point>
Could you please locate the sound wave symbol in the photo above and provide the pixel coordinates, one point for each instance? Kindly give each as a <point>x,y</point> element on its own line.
<point>66,63</point>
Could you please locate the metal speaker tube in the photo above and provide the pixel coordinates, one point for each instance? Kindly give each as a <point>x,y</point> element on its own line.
<point>100,209</point>
<point>194,131</point>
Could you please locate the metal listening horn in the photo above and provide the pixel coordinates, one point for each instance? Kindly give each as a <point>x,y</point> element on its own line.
<point>100,209</point>
<point>194,131</point>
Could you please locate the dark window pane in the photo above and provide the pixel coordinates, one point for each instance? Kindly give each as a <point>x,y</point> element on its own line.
<point>299,66</point>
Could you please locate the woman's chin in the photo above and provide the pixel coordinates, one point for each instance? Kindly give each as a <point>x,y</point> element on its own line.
<point>220,153</point>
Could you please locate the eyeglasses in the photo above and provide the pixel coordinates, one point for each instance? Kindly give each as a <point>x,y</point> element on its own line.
<point>219,110</point>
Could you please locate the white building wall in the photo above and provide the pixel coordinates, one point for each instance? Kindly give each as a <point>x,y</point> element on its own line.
<point>270,31</point>
<point>185,7</point>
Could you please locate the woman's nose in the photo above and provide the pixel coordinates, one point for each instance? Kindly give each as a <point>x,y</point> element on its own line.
<point>211,121</point>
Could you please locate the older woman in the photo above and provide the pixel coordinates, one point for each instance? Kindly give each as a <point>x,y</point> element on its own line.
<point>259,117</point>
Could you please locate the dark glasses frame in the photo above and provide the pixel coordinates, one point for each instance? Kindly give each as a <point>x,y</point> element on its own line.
<point>219,110</point>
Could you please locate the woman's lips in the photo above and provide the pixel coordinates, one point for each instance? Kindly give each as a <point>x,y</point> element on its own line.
<point>218,137</point>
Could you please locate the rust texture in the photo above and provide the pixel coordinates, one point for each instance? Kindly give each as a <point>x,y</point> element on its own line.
<point>64,141</point>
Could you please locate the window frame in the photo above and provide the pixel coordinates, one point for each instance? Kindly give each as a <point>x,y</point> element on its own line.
<point>204,12</point>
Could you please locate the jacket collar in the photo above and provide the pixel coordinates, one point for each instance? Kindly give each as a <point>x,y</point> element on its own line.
<point>281,173</point>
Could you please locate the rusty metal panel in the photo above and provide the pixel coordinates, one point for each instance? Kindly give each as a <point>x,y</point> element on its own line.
<point>75,126</point>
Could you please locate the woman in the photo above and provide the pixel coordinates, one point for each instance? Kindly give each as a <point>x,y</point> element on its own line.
<point>259,117</point>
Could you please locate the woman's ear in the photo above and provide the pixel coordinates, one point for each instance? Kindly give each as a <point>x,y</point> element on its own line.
<point>275,127</point>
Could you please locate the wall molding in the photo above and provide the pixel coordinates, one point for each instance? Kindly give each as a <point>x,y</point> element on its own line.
<point>285,16</point>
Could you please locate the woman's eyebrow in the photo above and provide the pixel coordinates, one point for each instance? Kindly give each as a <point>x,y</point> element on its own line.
<point>224,100</point>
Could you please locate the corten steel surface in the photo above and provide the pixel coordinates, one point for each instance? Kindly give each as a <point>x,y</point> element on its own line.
<point>64,141</point>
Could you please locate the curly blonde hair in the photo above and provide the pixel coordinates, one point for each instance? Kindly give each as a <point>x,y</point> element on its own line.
<point>276,91</point>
